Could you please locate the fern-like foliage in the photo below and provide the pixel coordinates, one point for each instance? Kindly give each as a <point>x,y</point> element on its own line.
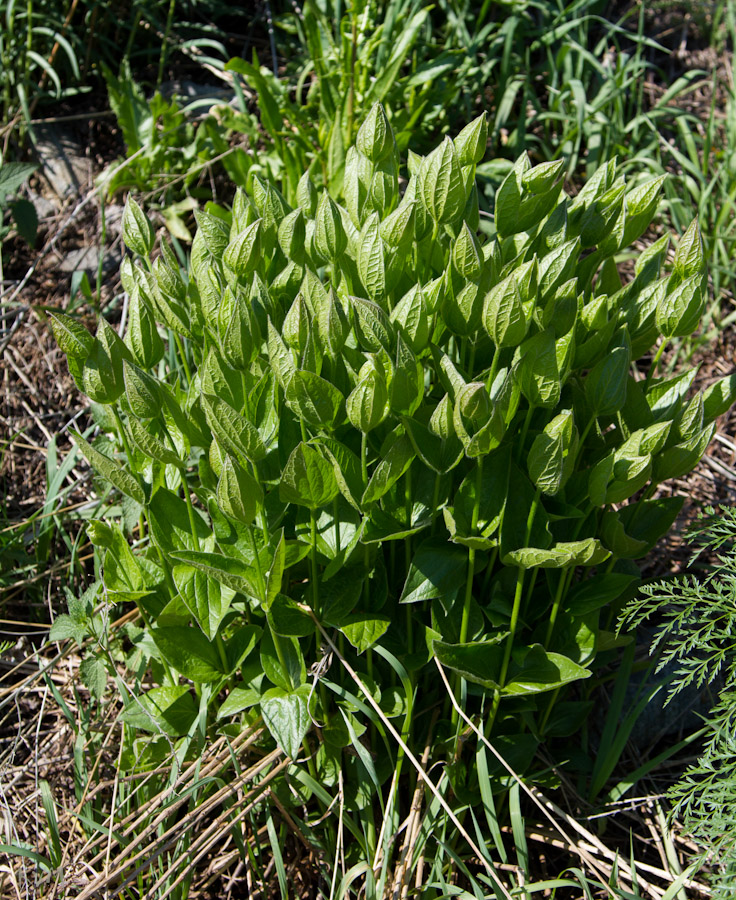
<point>696,632</point>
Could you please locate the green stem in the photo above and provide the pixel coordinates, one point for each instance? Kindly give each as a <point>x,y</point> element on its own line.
<point>655,362</point>
<point>257,562</point>
<point>408,509</point>
<point>525,429</point>
<point>313,560</point>
<point>581,442</point>
<point>513,624</point>
<point>435,501</point>
<point>364,456</point>
<point>183,357</point>
<point>465,621</point>
<point>263,523</point>
<point>222,651</point>
<point>190,511</point>
<point>164,42</point>
<point>560,593</point>
<point>124,439</point>
<point>494,367</point>
<point>187,498</point>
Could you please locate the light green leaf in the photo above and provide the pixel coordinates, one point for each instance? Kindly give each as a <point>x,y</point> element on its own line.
<point>233,573</point>
<point>588,552</point>
<point>308,478</point>
<point>363,630</point>
<point>163,710</point>
<point>110,470</point>
<point>286,714</point>
<point>536,670</point>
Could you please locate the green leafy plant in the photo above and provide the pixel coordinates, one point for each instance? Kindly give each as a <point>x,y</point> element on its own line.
<point>694,618</point>
<point>348,57</point>
<point>166,152</point>
<point>365,432</point>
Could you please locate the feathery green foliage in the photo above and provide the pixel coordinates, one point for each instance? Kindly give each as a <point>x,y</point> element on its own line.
<point>695,621</point>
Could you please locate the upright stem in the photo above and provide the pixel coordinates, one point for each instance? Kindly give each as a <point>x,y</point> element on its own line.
<point>494,367</point>
<point>187,498</point>
<point>124,438</point>
<point>261,512</point>
<point>465,621</point>
<point>408,509</point>
<point>364,456</point>
<point>525,430</point>
<point>313,559</point>
<point>513,624</point>
<point>164,42</point>
<point>183,357</point>
<point>435,501</point>
<point>655,362</point>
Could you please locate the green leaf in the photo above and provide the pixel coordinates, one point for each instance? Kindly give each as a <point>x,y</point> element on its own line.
<point>189,652</point>
<point>371,259</point>
<point>12,177</point>
<point>314,399</point>
<point>553,454</point>
<point>280,356</point>
<point>233,573</point>
<point>102,373</point>
<point>308,478</point>
<point>536,670</point>
<point>588,552</point>
<point>170,525</point>
<point>110,470</point>
<point>607,382</point>
<point>66,628</point>
<point>470,144</point>
<point>466,254</point>
<point>330,239</point>
<point>238,699</point>
<point>389,470</point>
<point>363,630</point>
<point>649,520</point>
<point>437,570</point>
<point>93,673</point>
<point>287,618</point>
<point>204,597</point>
<point>241,644</point>
<point>25,218</point>
<point>367,404</point>
<point>440,184</point>
<point>526,196</point>
<point>238,494</point>
<point>347,470</point>
<point>138,232</point>
<point>234,432</point>
<point>594,593</point>
<point>167,710</point>
<point>286,714</point>
<point>680,309</point>
<point>539,375</point>
<point>375,139</point>
<point>243,253</point>
<point>477,661</point>
<point>718,398</point>
<point>152,447</point>
<point>71,336</point>
<point>504,318</point>
<point>284,666</point>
